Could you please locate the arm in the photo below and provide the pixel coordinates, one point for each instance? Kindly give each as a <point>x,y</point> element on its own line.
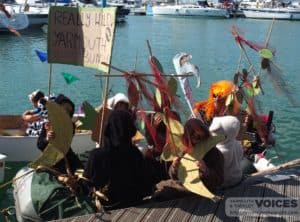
<point>213,176</point>
<point>30,116</point>
<point>42,141</point>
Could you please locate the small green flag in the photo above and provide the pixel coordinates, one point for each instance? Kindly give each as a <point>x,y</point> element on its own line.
<point>69,78</point>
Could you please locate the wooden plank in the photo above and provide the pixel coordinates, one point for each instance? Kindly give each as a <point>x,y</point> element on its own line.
<point>220,214</point>
<point>205,210</point>
<point>292,191</point>
<point>161,212</point>
<point>273,190</point>
<point>184,209</point>
<point>134,214</point>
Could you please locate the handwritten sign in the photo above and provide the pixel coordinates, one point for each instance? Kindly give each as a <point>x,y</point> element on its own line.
<point>81,36</point>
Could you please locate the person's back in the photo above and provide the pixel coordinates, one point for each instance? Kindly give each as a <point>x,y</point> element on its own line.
<point>118,168</point>
<point>230,148</point>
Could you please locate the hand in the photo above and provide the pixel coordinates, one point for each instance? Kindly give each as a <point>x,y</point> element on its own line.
<point>174,168</point>
<point>157,119</point>
<point>50,134</point>
<point>202,167</point>
<point>175,163</point>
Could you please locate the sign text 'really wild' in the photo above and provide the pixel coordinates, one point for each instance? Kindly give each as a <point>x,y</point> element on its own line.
<point>81,36</point>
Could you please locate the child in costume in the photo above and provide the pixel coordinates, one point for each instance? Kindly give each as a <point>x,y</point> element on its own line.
<point>231,148</point>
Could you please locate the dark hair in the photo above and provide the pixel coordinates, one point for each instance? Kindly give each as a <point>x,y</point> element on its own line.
<point>38,96</point>
<point>193,125</point>
<point>62,99</point>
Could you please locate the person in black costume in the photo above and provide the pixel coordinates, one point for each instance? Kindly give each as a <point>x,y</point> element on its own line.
<point>118,168</point>
<point>48,134</point>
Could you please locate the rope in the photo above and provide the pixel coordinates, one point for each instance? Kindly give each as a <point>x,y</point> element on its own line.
<point>7,212</point>
<point>14,179</point>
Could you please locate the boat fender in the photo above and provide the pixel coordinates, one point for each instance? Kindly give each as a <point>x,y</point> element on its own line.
<point>22,196</point>
<point>261,163</point>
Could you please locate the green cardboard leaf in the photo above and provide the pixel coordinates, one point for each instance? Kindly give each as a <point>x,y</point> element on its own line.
<point>266,53</point>
<point>172,84</point>
<point>157,64</point>
<point>89,120</point>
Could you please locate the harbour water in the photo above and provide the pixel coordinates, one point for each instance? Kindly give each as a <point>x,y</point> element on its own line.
<point>208,40</point>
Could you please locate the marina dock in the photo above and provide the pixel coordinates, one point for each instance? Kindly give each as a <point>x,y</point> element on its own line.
<point>201,209</point>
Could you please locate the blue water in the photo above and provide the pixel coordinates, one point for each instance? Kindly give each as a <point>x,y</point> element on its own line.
<point>208,40</point>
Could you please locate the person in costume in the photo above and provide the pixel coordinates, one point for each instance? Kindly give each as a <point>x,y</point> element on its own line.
<point>211,168</point>
<point>215,105</point>
<point>47,134</point>
<point>231,148</point>
<point>118,168</point>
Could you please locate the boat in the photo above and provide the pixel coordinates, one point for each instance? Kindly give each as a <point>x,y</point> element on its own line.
<point>271,10</point>
<point>284,13</point>
<point>18,147</point>
<point>11,20</point>
<point>201,9</point>
<point>37,15</point>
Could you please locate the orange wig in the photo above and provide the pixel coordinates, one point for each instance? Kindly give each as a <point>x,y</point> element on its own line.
<point>218,91</point>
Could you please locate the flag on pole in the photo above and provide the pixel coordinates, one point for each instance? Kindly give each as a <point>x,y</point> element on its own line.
<point>42,55</point>
<point>69,78</point>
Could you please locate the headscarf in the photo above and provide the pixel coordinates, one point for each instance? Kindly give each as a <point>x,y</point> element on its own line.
<point>119,130</point>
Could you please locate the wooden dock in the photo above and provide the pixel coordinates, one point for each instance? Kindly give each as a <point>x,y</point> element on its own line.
<point>201,209</point>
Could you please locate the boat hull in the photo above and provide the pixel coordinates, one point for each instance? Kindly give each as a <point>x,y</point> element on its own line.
<point>270,13</point>
<point>24,148</point>
<point>179,10</point>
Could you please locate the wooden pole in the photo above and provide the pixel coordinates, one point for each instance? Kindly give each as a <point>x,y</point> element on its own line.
<point>268,38</point>
<point>50,79</point>
<point>280,167</point>
<point>106,90</point>
<point>138,75</point>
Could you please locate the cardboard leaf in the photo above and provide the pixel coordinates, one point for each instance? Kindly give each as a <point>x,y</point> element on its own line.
<point>157,64</point>
<point>133,94</point>
<point>173,148</point>
<point>49,157</point>
<point>249,91</point>
<point>266,53</point>
<point>229,99</point>
<point>63,127</point>
<point>158,97</point>
<point>168,153</point>
<point>188,174</point>
<point>239,97</point>
<point>96,128</point>
<point>173,125</point>
<point>256,91</point>
<point>142,124</point>
<point>256,86</point>
<point>89,119</point>
<point>138,136</point>
<point>172,84</point>
<point>188,171</point>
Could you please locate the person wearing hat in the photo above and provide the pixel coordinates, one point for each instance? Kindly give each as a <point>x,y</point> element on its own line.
<point>32,115</point>
<point>35,117</point>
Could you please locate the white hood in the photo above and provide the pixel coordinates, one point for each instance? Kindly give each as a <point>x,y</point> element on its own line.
<point>119,97</point>
<point>231,148</point>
